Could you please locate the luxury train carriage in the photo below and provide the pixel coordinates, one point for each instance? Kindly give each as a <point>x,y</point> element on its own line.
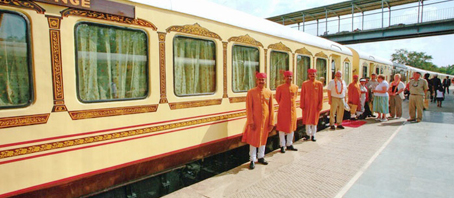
<point>98,93</point>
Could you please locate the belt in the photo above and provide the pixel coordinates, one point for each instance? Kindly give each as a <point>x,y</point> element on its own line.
<point>416,95</point>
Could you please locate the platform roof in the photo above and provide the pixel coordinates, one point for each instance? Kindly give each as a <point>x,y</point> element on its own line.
<point>337,9</point>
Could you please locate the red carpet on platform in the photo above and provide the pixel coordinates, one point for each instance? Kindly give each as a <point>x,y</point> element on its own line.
<point>354,124</point>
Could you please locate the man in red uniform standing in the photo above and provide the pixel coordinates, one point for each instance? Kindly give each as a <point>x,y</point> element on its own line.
<point>286,95</point>
<point>354,94</point>
<point>311,102</point>
<point>260,120</point>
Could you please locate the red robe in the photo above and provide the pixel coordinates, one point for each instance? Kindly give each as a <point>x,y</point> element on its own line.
<point>354,95</point>
<point>311,101</point>
<point>286,95</point>
<point>260,111</point>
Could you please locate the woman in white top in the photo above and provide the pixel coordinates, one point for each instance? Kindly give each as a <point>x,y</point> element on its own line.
<point>381,99</point>
<point>396,96</point>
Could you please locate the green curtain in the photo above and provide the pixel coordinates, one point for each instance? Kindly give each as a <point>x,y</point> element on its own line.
<point>112,63</point>
<point>245,65</point>
<point>302,65</point>
<point>320,65</point>
<point>194,66</point>
<point>15,79</point>
<point>279,64</point>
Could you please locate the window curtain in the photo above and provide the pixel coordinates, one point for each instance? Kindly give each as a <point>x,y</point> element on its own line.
<point>347,73</point>
<point>15,87</point>
<point>279,64</point>
<point>112,63</point>
<point>194,66</point>
<point>321,70</point>
<point>303,63</point>
<point>245,66</point>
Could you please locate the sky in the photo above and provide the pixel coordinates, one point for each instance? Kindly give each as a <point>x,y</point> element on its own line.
<point>439,47</point>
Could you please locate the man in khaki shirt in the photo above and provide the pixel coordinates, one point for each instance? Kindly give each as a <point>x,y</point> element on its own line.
<point>418,89</point>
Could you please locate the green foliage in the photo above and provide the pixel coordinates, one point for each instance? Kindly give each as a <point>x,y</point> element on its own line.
<point>420,60</point>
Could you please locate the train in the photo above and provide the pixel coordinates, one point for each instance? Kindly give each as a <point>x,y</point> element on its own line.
<point>96,93</point>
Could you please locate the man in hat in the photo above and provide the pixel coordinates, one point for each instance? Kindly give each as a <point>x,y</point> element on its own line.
<point>260,120</point>
<point>364,97</point>
<point>311,102</point>
<point>354,93</point>
<point>336,96</point>
<point>418,89</point>
<point>286,95</point>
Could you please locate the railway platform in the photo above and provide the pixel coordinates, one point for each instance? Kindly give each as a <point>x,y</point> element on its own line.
<point>375,159</point>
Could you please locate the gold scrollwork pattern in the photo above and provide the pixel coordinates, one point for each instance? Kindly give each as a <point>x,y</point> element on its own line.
<point>162,66</point>
<point>266,60</point>
<point>224,44</point>
<point>195,29</point>
<point>54,22</point>
<point>111,136</point>
<point>303,51</point>
<point>192,104</point>
<point>85,114</point>
<point>23,4</point>
<point>237,99</point>
<point>321,54</point>
<point>246,39</point>
<point>280,46</point>
<point>107,17</point>
<point>347,60</point>
<point>23,120</point>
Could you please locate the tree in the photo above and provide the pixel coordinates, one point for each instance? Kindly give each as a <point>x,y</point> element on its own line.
<point>415,59</point>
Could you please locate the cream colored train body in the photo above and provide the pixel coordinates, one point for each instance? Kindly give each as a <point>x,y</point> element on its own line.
<point>67,140</point>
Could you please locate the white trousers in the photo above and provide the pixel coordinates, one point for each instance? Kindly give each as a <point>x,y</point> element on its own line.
<point>289,138</point>
<point>253,152</point>
<point>311,130</point>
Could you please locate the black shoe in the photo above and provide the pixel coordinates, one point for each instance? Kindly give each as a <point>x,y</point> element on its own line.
<point>340,127</point>
<point>373,116</point>
<point>411,120</point>
<point>332,127</point>
<point>313,139</point>
<point>291,148</point>
<point>352,119</point>
<point>282,149</point>
<point>252,165</point>
<point>262,161</point>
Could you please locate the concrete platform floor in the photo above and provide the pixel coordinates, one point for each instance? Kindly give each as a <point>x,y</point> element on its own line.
<point>377,159</point>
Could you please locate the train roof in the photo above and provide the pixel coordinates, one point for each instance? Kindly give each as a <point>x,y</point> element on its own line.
<point>366,56</point>
<point>243,20</point>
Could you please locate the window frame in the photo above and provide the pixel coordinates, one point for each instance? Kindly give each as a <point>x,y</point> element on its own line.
<point>327,71</point>
<point>147,64</point>
<point>297,69</point>
<point>347,74</point>
<point>29,58</point>
<point>254,47</point>
<point>288,69</point>
<point>215,65</point>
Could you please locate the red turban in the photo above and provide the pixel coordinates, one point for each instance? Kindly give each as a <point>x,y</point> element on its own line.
<point>355,76</point>
<point>311,71</point>
<point>288,73</point>
<point>260,75</point>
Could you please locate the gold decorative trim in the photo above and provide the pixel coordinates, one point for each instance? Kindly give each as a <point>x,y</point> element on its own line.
<point>266,60</point>
<point>294,67</point>
<point>347,60</point>
<point>107,17</point>
<point>111,136</point>
<point>97,113</point>
<point>237,99</point>
<point>322,55</point>
<point>23,4</point>
<point>192,104</point>
<point>224,44</point>
<point>162,66</point>
<point>303,51</point>
<point>57,73</point>
<point>280,46</point>
<point>246,39</point>
<point>23,120</point>
<point>195,29</point>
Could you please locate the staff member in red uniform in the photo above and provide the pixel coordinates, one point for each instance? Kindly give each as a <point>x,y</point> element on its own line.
<point>260,119</point>
<point>354,93</point>
<point>311,102</point>
<point>286,95</point>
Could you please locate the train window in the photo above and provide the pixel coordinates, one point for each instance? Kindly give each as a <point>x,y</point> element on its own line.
<point>333,69</point>
<point>347,72</point>
<point>320,65</point>
<point>15,69</point>
<point>365,72</point>
<point>303,63</point>
<point>111,63</point>
<point>279,62</point>
<point>245,65</point>
<point>194,66</point>
<point>377,70</point>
